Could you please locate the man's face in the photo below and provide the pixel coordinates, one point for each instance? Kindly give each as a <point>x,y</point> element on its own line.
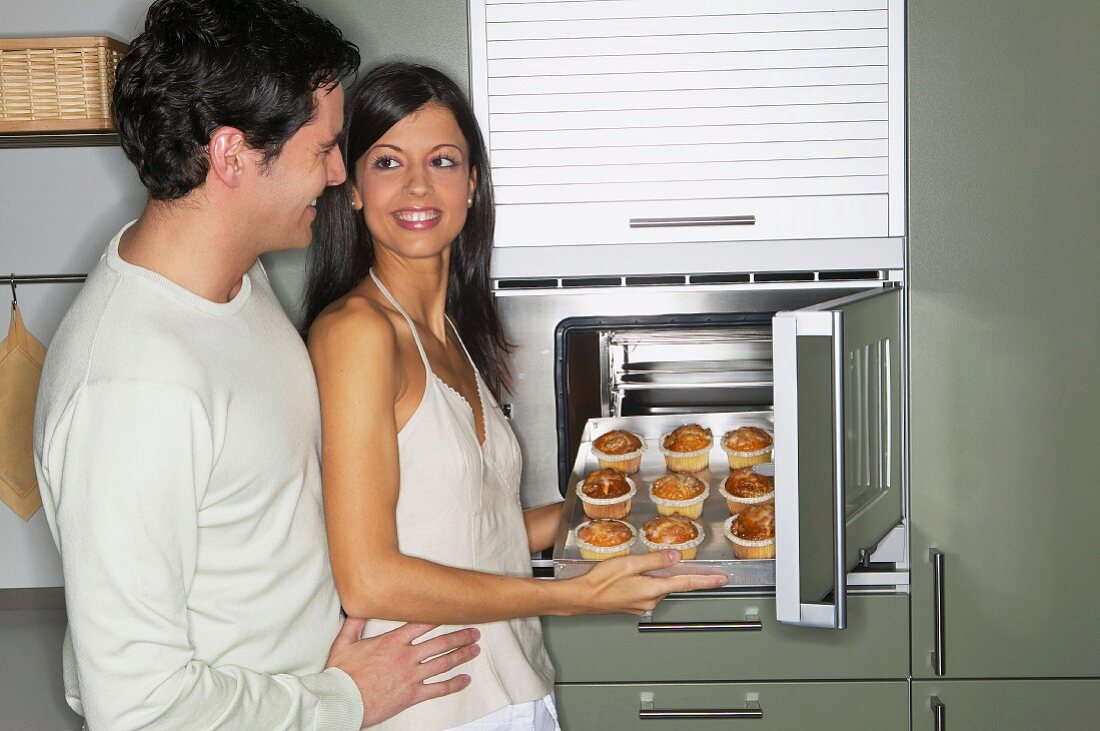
<point>286,191</point>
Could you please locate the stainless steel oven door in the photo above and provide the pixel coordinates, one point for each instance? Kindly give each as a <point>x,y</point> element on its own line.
<point>838,462</point>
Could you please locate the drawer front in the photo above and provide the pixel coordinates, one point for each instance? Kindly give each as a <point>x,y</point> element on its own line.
<point>595,649</point>
<point>866,706</point>
<point>807,212</point>
<point>1006,705</point>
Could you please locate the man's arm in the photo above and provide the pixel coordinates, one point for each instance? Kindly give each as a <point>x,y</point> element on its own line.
<point>127,468</point>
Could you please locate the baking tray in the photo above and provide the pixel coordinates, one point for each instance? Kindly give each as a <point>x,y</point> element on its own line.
<point>715,554</point>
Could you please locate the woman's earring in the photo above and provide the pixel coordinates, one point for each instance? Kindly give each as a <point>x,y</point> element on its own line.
<point>470,202</point>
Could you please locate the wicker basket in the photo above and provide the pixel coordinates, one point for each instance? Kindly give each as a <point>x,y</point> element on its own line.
<point>57,84</point>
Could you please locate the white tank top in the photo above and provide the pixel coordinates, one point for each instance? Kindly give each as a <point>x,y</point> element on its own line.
<point>459,506</point>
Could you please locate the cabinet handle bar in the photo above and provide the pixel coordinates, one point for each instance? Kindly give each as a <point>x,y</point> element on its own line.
<point>742,626</point>
<point>939,712</point>
<point>751,711</point>
<point>693,221</point>
<point>939,640</point>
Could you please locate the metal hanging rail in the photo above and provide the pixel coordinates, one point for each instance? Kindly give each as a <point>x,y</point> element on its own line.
<point>14,280</point>
<point>58,139</point>
<point>42,279</point>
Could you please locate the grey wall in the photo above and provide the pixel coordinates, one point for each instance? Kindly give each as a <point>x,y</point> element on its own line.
<point>59,206</point>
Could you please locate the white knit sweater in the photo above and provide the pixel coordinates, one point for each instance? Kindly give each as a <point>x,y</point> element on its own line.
<point>177,443</point>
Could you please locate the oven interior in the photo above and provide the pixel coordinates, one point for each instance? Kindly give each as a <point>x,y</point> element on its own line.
<point>670,364</point>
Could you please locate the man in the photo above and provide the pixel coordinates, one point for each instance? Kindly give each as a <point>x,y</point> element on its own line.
<point>177,430</point>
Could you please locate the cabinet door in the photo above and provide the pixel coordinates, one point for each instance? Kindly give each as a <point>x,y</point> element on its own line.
<point>819,706</point>
<point>691,639</point>
<point>838,479</point>
<point>1005,344</point>
<point>1005,705</point>
<point>639,121</point>
<point>33,696</point>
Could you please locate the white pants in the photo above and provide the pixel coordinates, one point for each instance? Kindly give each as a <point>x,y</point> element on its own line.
<point>540,715</point>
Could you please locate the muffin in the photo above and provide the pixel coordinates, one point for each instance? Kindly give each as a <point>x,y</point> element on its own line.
<point>752,532</point>
<point>619,450</point>
<point>679,493</point>
<point>673,532</point>
<point>747,446</point>
<point>687,448</point>
<point>747,487</point>
<point>602,538</point>
<point>606,494</point>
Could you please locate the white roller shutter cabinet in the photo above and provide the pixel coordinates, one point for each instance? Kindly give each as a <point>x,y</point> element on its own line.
<point>650,121</point>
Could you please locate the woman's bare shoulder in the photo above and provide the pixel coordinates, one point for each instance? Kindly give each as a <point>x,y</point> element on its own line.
<point>354,320</point>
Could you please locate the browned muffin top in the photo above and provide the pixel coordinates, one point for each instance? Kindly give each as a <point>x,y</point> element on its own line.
<point>754,524</point>
<point>669,530</point>
<point>605,484</point>
<point>747,439</point>
<point>689,438</point>
<point>617,442</point>
<point>678,487</point>
<point>747,483</point>
<point>605,533</point>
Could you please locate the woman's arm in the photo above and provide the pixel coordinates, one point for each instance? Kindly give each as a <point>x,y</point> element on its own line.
<point>542,526</point>
<point>355,355</point>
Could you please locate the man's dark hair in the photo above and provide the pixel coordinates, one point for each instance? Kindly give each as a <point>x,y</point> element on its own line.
<point>203,64</point>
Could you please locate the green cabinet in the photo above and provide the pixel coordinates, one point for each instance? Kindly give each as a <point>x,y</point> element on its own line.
<point>596,649</point>
<point>1004,215</point>
<point>1006,705</point>
<point>31,692</point>
<point>867,706</point>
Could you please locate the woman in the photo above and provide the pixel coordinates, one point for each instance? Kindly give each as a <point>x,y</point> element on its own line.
<point>421,471</point>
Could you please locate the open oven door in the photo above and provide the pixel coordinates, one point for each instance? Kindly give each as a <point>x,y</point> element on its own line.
<point>838,462</point>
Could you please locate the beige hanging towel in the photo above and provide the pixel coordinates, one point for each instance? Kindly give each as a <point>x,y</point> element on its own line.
<point>21,359</point>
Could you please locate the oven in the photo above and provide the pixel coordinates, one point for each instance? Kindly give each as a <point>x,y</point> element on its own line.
<point>815,357</point>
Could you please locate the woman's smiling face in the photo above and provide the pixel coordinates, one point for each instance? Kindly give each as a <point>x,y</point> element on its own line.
<point>415,183</point>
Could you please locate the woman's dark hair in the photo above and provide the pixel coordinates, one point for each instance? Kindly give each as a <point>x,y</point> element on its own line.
<point>343,252</point>
<point>204,64</point>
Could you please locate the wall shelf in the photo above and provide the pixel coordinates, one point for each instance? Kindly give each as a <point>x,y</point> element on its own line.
<point>58,139</point>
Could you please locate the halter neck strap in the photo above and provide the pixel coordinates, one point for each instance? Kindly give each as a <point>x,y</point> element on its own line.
<point>412,327</point>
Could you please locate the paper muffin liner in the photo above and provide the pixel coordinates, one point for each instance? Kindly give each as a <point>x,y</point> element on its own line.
<point>600,553</point>
<point>736,503</point>
<point>695,461</point>
<point>687,549</point>
<point>748,549</point>
<point>739,459</point>
<point>610,507</point>
<point>692,508</point>
<point>628,463</point>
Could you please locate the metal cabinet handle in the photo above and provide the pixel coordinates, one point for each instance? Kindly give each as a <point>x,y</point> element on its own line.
<point>748,625</point>
<point>647,712</point>
<point>751,623</point>
<point>939,712</point>
<point>938,636</point>
<point>693,221</point>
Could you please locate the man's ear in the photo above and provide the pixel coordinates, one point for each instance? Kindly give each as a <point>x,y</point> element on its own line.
<point>228,155</point>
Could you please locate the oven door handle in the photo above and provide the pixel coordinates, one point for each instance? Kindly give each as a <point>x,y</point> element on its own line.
<point>807,347</point>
